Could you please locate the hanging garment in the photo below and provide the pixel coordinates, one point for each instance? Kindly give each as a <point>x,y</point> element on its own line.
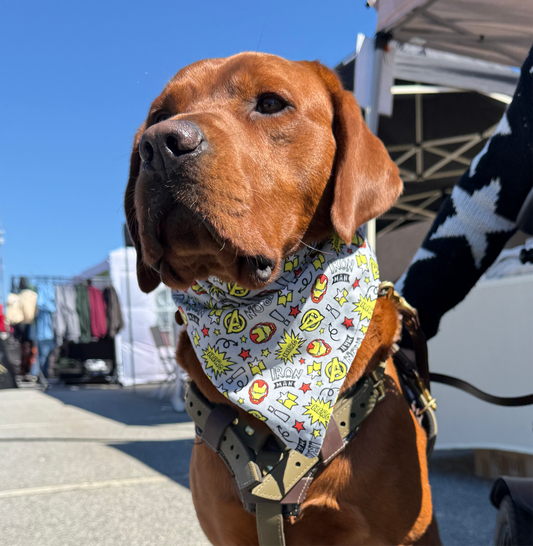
<point>21,307</point>
<point>46,306</point>
<point>282,353</point>
<point>28,302</point>
<point>84,313</point>
<point>98,312</point>
<point>2,319</point>
<point>14,312</point>
<point>114,314</point>
<point>67,323</point>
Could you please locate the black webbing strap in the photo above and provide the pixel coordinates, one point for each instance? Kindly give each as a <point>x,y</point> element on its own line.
<point>510,402</point>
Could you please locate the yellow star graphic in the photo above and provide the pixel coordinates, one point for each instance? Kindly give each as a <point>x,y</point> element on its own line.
<point>241,400</point>
<point>217,332</point>
<point>319,383</point>
<point>316,433</point>
<point>265,352</point>
<point>367,280</point>
<point>243,339</point>
<point>303,300</point>
<point>364,329</point>
<point>321,330</point>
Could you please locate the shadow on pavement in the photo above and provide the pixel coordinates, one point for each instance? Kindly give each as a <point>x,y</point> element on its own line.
<point>127,405</point>
<point>170,458</point>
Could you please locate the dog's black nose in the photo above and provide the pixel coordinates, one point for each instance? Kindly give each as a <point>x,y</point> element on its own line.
<point>165,144</point>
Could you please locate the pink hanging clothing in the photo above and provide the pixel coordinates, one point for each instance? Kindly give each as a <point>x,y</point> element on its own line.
<point>98,312</point>
<point>2,319</point>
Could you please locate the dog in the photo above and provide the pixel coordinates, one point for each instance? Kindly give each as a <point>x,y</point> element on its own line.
<point>241,162</point>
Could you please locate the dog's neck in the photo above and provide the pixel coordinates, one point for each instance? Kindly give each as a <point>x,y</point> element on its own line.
<point>283,353</point>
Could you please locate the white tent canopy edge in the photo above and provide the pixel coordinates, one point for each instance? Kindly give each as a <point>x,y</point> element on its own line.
<point>485,29</point>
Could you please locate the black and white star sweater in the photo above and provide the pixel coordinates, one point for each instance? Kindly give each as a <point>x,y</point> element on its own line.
<point>479,217</point>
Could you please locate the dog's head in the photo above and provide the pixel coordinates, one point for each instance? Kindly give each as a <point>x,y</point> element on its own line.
<point>241,161</point>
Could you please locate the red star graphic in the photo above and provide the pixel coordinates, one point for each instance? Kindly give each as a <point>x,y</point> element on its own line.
<point>302,361</point>
<point>348,323</point>
<point>305,387</point>
<point>355,284</point>
<point>244,354</point>
<point>298,272</point>
<point>299,426</point>
<point>205,331</point>
<point>294,311</point>
<point>350,251</point>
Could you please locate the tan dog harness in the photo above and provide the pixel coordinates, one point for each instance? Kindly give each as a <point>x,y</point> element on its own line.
<point>272,480</point>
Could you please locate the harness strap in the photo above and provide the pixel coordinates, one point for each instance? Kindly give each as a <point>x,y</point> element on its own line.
<point>270,524</point>
<point>220,417</point>
<point>237,456</point>
<point>287,479</point>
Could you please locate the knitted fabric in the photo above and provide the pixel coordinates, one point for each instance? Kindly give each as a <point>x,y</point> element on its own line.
<point>479,217</point>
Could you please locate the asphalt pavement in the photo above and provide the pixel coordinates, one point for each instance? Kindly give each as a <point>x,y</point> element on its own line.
<point>104,465</point>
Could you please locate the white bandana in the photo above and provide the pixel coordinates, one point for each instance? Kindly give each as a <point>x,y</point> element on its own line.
<point>282,353</point>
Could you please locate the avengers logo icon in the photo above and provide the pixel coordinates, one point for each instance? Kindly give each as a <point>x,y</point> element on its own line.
<point>236,290</point>
<point>262,332</point>
<point>319,288</point>
<point>318,348</point>
<point>258,391</point>
<point>311,320</point>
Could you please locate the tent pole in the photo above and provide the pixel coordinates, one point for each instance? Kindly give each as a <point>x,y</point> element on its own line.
<point>372,112</point>
<point>130,325</point>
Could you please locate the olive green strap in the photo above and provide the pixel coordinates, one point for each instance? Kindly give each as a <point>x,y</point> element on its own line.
<point>350,411</point>
<point>236,453</point>
<point>270,524</point>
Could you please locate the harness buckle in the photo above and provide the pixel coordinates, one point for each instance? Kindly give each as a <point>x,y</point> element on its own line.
<point>379,385</point>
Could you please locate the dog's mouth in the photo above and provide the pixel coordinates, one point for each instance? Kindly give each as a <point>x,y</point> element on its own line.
<point>259,269</point>
<point>193,249</point>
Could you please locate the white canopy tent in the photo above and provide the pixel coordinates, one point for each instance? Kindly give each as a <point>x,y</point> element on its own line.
<point>137,358</point>
<point>492,30</point>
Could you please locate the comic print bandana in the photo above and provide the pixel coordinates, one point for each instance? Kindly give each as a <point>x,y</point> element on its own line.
<point>282,353</point>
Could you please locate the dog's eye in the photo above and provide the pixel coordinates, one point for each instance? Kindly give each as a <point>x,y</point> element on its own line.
<point>270,105</point>
<point>161,116</point>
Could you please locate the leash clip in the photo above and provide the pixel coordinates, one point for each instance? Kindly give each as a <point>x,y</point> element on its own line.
<point>427,399</point>
<point>379,385</point>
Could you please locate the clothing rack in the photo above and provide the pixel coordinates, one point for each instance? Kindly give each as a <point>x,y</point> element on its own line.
<point>58,278</point>
<point>99,281</point>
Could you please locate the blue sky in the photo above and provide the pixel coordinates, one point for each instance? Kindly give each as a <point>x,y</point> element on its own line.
<point>77,80</point>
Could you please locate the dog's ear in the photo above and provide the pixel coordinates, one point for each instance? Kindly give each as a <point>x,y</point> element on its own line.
<point>147,278</point>
<point>366,180</point>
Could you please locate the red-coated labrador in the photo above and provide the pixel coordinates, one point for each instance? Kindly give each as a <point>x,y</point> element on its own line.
<point>240,162</point>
